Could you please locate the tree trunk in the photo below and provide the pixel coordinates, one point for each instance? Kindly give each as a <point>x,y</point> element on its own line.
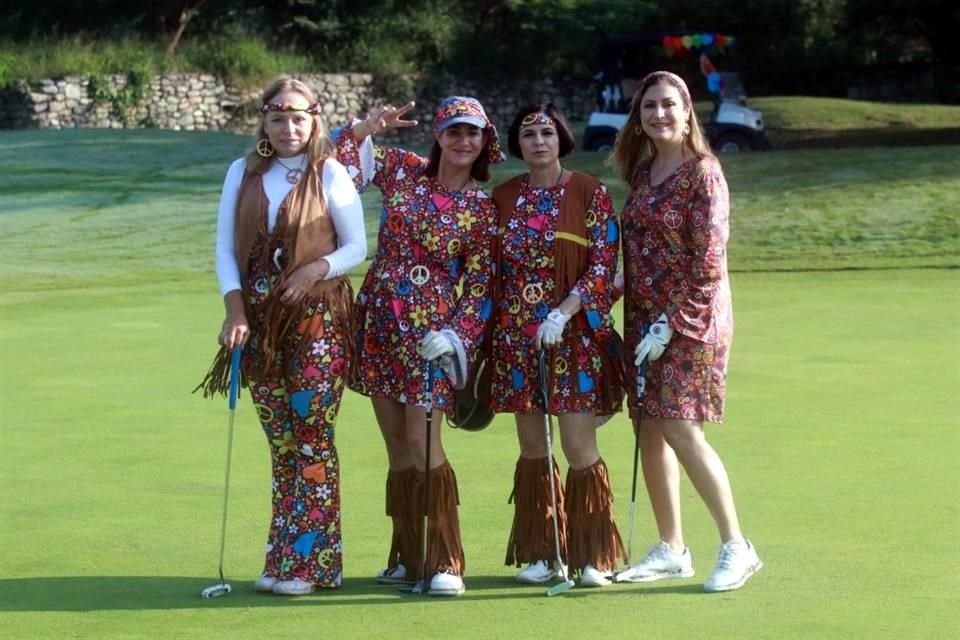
<point>183,20</point>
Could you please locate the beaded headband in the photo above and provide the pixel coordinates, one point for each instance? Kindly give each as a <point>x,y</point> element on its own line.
<point>537,118</point>
<point>313,109</point>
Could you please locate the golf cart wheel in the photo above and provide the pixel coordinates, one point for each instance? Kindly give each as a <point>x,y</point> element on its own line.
<point>603,144</point>
<point>732,143</point>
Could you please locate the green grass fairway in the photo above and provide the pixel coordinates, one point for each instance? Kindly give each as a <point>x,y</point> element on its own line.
<point>841,436</point>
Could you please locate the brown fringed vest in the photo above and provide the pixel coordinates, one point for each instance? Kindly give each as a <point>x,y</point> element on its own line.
<point>571,260</point>
<point>305,233</point>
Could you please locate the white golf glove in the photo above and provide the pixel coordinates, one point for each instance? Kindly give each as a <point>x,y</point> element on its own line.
<point>550,330</point>
<point>434,345</point>
<point>656,340</point>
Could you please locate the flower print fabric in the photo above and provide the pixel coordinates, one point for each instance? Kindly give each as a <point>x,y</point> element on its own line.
<point>675,236</point>
<point>527,292</point>
<point>429,240</point>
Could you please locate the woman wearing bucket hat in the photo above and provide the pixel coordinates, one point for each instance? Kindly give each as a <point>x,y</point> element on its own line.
<point>435,234</point>
<point>560,237</point>
<point>675,230</point>
<point>290,225</point>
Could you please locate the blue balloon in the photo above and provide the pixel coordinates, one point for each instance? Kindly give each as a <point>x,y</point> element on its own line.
<point>713,82</point>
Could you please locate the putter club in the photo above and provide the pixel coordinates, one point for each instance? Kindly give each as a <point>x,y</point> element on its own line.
<point>641,392</point>
<point>223,588</point>
<point>421,585</point>
<point>548,428</point>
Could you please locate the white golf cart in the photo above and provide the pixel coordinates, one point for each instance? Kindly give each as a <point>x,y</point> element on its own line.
<point>730,127</point>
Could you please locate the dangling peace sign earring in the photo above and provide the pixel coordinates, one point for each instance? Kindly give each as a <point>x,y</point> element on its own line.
<point>264,148</point>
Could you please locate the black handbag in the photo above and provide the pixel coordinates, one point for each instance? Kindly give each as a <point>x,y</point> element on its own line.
<point>471,405</point>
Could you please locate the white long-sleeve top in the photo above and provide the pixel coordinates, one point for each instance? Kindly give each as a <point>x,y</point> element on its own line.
<point>343,206</point>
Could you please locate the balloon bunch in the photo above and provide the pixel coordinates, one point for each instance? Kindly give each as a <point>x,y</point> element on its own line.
<point>682,46</point>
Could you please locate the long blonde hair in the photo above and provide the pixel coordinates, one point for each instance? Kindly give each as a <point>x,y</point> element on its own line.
<point>633,145</point>
<point>319,146</point>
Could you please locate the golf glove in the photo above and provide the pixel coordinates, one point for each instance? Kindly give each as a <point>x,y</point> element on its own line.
<point>550,330</point>
<point>656,340</point>
<point>434,345</point>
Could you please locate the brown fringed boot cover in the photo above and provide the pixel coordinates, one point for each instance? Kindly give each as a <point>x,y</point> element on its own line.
<point>531,537</point>
<point>444,550</point>
<point>402,507</point>
<point>592,532</point>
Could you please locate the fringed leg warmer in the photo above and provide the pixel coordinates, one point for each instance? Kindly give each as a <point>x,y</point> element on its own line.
<point>444,547</point>
<point>531,537</point>
<point>593,535</point>
<point>404,508</point>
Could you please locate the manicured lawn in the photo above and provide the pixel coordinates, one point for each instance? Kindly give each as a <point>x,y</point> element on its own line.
<point>841,435</point>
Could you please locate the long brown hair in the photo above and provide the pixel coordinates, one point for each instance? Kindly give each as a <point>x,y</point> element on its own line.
<point>319,146</point>
<point>633,145</point>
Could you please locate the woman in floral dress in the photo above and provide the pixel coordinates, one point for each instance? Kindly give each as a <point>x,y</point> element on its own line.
<point>435,233</point>
<point>559,240</point>
<point>679,318</point>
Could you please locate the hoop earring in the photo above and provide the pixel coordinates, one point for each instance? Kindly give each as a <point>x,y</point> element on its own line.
<point>264,148</point>
<point>686,130</point>
<point>637,129</point>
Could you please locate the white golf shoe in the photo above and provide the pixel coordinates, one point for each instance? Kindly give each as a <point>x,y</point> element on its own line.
<point>536,573</point>
<point>392,575</point>
<point>265,583</point>
<point>660,562</point>
<point>736,562</point>
<point>446,584</point>
<point>295,587</point>
<point>592,577</point>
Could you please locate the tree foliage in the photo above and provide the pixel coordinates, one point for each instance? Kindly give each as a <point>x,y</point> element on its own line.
<point>781,42</point>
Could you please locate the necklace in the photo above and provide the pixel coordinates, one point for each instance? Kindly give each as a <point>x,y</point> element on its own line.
<point>559,178</point>
<point>293,173</point>
<point>461,188</point>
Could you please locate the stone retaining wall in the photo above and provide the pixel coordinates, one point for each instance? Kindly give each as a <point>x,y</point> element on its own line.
<point>204,102</point>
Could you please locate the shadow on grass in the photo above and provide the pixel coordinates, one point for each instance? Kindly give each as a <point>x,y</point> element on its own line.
<point>107,593</point>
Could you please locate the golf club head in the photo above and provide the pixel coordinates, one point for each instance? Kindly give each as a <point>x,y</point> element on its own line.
<point>559,588</point>
<point>417,588</point>
<point>216,590</point>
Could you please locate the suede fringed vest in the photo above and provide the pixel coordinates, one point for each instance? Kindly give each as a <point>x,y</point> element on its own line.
<point>571,260</point>
<point>303,233</point>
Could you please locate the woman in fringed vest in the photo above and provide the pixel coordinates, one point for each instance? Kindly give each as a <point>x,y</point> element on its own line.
<point>558,238</point>
<point>426,297</point>
<point>678,313</point>
<point>290,226</point>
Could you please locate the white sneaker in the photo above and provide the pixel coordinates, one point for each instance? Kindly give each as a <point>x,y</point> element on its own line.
<point>536,573</point>
<point>265,583</point>
<point>446,584</point>
<point>660,562</point>
<point>591,577</point>
<point>737,561</point>
<point>295,587</point>
<point>392,575</point>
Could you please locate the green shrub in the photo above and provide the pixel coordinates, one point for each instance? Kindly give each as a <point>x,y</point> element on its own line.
<point>242,59</point>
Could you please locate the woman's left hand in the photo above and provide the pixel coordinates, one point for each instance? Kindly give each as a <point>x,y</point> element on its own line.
<point>298,284</point>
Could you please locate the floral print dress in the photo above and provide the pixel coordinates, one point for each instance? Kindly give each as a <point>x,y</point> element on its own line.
<point>675,237</point>
<point>431,243</point>
<point>527,293</point>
